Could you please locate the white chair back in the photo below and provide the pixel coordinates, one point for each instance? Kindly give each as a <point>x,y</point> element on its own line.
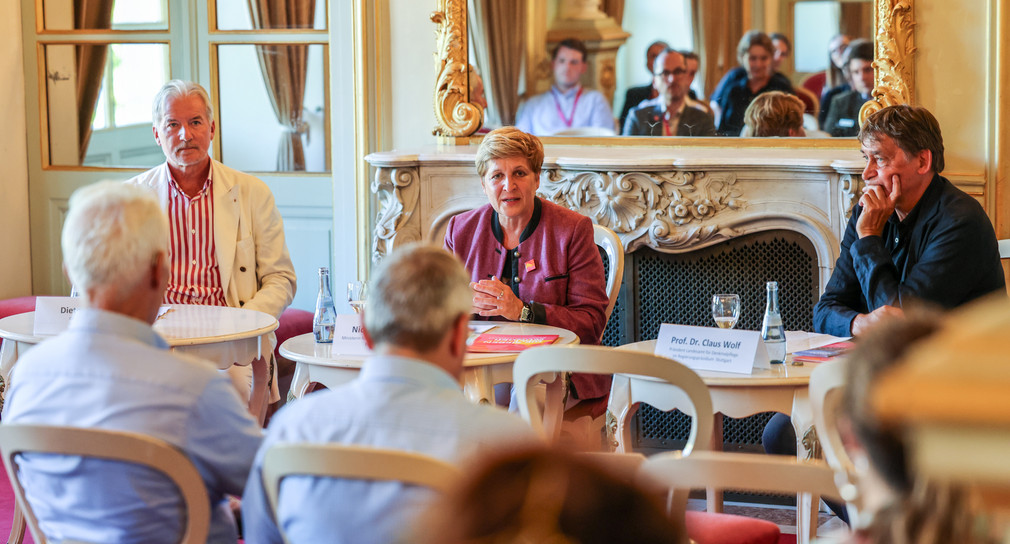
<point>147,451</point>
<point>677,474</point>
<point>356,462</point>
<point>827,383</point>
<point>537,363</point>
<point>614,249</point>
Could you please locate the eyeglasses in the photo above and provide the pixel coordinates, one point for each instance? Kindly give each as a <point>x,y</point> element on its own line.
<point>675,73</point>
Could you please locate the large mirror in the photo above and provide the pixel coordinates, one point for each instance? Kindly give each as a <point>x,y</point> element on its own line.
<point>521,62</point>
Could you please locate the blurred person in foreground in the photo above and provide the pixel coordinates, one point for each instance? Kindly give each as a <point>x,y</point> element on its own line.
<point>774,113</point>
<point>110,370</point>
<point>529,259</point>
<point>738,87</point>
<point>897,507</point>
<point>545,496</point>
<point>669,114</point>
<point>407,397</point>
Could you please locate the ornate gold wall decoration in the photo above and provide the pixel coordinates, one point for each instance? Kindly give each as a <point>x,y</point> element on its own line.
<point>669,210</point>
<point>456,116</point>
<point>396,222</point>
<point>893,56</point>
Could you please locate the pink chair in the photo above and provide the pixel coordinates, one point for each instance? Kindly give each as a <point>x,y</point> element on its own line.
<point>14,306</point>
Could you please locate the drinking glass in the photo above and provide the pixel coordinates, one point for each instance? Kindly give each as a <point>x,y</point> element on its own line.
<point>725,310</point>
<point>357,292</point>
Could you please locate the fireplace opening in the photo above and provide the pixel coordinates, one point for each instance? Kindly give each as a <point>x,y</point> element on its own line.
<point>677,288</point>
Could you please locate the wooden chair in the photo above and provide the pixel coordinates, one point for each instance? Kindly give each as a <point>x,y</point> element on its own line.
<point>534,364</point>
<point>677,472</point>
<point>611,245</point>
<point>357,462</point>
<point>127,447</point>
<point>827,383</point>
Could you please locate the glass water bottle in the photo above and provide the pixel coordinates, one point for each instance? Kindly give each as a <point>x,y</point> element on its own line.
<point>772,332</point>
<point>325,318</point>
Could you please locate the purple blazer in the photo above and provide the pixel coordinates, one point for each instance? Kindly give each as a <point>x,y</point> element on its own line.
<point>566,278</point>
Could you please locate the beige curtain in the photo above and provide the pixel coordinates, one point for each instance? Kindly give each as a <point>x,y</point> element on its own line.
<point>96,14</point>
<point>497,38</point>
<point>614,9</point>
<point>718,26</point>
<point>855,19</point>
<point>283,68</point>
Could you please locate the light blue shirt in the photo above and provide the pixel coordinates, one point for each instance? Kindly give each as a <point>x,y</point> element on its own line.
<point>396,403</point>
<point>110,371</point>
<point>548,113</point>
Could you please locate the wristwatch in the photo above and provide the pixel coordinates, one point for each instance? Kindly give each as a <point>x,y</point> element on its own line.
<point>526,315</point>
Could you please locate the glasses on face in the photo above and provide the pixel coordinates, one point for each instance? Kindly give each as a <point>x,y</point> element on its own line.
<point>675,73</point>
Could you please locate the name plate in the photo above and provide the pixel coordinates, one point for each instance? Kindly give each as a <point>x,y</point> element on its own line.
<point>708,348</point>
<point>347,336</point>
<point>52,314</point>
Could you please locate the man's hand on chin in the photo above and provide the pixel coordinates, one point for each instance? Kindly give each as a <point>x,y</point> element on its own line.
<point>865,322</point>
<point>878,205</point>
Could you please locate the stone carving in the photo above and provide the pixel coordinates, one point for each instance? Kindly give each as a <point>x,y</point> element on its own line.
<point>812,444</point>
<point>851,188</point>
<point>456,116</point>
<point>667,210</point>
<point>893,56</point>
<point>396,222</point>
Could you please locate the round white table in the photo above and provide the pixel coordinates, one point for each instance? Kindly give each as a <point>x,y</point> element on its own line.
<point>220,334</point>
<point>782,388</point>
<point>318,363</point>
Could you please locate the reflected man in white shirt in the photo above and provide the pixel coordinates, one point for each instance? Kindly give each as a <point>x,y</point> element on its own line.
<point>407,397</point>
<point>567,105</point>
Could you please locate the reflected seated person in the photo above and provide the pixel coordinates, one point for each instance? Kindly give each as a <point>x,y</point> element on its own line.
<point>531,260</point>
<point>843,111</point>
<point>774,114</point>
<point>669,114</point>
<point>739,86</point>
<point>567,105</point>
<point>236,255</point>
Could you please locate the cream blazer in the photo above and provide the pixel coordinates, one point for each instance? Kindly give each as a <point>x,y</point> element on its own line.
<point>256,269</point>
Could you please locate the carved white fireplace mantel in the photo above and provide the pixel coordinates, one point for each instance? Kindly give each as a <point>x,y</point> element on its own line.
<point>668,198</point>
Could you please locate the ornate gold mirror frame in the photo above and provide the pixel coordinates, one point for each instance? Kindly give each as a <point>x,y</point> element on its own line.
<point>457,118</point>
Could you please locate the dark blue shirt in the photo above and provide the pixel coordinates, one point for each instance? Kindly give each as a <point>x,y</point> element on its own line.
<point>733,96</point>
<point>944,252</point>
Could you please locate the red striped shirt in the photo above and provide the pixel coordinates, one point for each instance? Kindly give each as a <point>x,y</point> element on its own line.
<point>194,277</point>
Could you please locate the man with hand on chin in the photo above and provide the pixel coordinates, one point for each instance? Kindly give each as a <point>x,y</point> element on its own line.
<point>912,236</point>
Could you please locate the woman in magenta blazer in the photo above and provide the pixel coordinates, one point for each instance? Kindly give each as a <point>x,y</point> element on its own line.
<point>530,260</point>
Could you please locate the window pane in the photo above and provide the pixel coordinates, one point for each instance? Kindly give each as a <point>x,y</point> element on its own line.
<point>287,14</point>
<point>110,115</point>
<point>253,135</point>
<point>106,14</point>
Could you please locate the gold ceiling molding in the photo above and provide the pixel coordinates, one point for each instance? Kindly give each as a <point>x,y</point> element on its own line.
<point>894,60</point>
<point>456,116</point>
<point>893,56</point>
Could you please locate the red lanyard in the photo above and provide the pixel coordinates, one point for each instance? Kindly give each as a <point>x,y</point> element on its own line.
<point>666,126</point>
<point>567,120</point>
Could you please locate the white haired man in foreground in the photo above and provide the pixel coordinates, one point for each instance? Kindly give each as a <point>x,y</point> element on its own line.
<point>110,370</point>
<point>407,397</point>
